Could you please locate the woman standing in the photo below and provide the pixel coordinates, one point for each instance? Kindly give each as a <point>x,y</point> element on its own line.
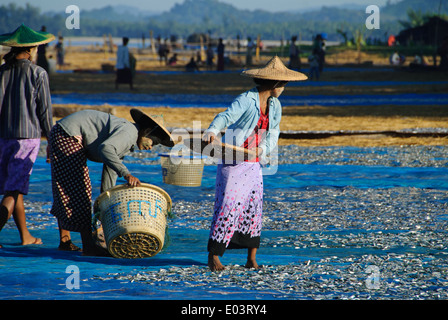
<point>252,122</point>
<point>25,115</point>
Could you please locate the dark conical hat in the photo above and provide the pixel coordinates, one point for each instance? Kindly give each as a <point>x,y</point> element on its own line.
<point>25,37</point>
<point>146,121</point>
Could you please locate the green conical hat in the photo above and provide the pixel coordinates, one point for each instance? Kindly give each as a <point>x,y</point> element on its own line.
<point>25,37</point>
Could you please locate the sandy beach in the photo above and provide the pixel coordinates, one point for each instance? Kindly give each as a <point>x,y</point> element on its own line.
<point>340,77</point>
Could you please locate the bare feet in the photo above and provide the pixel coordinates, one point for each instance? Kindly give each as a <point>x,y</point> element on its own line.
<point>31,240</point>
<point>252,264</point>
<point>214,264</point>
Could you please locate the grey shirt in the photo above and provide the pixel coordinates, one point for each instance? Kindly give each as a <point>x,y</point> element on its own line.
<point>25,101</point>
<point>106,139</point>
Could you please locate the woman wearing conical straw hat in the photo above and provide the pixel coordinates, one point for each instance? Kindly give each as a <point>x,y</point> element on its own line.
<point>99,137</point>
<point>25,115</point>
<point>252,122</point>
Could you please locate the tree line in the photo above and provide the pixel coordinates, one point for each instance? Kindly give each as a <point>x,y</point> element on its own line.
<point>202,16</point>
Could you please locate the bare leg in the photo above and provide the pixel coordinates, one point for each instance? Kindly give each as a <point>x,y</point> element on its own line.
<point>13,202</point>
<point>214,264</point>
<point>251,258</point>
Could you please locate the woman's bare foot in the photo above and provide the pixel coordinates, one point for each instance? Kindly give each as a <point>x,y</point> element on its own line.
<point>251,259</point>
<point>252,264</point>
<point>214,264</point>
<point>31,240</point>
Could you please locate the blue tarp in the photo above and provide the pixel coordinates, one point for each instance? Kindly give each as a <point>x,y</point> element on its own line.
<point>180,272</point>
<point>223,101</point>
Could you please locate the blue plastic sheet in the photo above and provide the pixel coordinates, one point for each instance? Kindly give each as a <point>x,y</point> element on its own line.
<point>223,101</point>
<point>180,271</point>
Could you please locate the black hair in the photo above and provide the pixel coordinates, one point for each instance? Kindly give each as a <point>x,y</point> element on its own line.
<point>270,84</point>
<point>10,57</point>
<point>148,133</point>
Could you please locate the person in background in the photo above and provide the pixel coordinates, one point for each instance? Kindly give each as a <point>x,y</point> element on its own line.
<point>42,53</point>
<point>249,52</point>
<point>319,46</point>
<point>294,55</point>
<point>25,116</point>
<point>313,60</point>
<point>191,66</point>
<point>60,52</point>
<point>220,49</point>
<point>173,60</point>
<point>210,57</point>
<point>442,50</point>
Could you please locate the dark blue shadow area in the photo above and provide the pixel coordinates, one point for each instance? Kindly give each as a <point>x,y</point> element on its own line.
<point>222,101</point>
<point>411,99</point>
<point>363,83</point>
<point>40,271</point>
<point>13,251</point>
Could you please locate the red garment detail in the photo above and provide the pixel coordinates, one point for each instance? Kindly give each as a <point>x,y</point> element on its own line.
<point>253,141</point>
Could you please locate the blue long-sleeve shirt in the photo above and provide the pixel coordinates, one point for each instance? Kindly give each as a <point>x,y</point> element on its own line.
<point>241,118</point>
<point>25,101</point>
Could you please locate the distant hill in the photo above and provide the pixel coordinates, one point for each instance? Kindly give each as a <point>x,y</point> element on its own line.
<point>200,11</point>
<point>117,13</point>
<point>220,20</point>
<point>399,10</point>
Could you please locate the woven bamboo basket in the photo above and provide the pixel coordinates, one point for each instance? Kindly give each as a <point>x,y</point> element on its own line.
<point>134,220</point>
<point>183,171</point>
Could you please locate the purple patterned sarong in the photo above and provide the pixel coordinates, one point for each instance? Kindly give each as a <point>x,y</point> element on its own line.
<point>17,157</point>
<point>237,217</point>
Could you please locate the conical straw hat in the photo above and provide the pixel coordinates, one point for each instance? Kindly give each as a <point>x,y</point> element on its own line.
<point>158,130</point>
<point>275,70</point>
<point>25,37</point>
